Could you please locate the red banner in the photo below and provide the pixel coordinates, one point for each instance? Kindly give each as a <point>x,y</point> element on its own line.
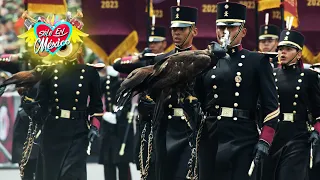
<point>9,104</point>
<point>291,9</point>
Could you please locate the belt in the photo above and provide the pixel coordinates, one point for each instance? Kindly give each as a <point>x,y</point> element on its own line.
<point>233,112</point>
<point>67,114</point>
<point>291,117</point>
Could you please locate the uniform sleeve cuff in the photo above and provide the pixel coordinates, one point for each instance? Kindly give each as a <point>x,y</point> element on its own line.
<point>95,122</point>
<point>267,134</point>
<point>317,127</point>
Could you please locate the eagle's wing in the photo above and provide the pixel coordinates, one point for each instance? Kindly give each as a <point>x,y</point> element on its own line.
<point>135,82</point>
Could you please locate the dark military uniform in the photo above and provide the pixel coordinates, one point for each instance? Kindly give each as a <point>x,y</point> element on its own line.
<point>113,134</point>
<point>20,131</point>
<point>230,91</point>
<point>314,173</point>
<point>63,95</point>
<point>299,91</point>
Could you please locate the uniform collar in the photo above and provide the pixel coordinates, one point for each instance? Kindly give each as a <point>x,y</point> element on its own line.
<point>177,49</point>
<point>291,66</point>
<point>235,49</point>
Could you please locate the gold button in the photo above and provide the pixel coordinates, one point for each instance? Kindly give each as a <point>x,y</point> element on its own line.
<point>217,106</point>
<point>108,93</point>
<point>276,80</point>
<point>274,74</point>
<point>183,117</point>
<point>56,77</point>
<point>299,80</point>
<point>76,100</point>
<point>56,71</point>
<point>296,95</point>
<point>107,87</point>
<point>213,76</point>
<point>214,86</point>
<point>294,103</point>
<point>235,104</point>
<point>170,106</point>
<point>302,74</point>
<point>215,96</point>
<point>55,85</point>
<point>277,88</point>
<point>109,98</point>
<point>238,84</point>
<point>278,96</point>
<point>55,92</point>
<point>169,117</point>
<point>57,117</point>
<point>38,69</point>
<point>108,82</point>
<point>74,108</point>
<point>239,73</point>
<point>78,92</point>
<point>294,112</point>
<point>214,67</point>
<point>235,118</point>
<point>298,88</point>
<point>57,100</point>
<point>236,94</point>
<point>83,70</point>
<point>80,85</point>
<point>57,107</point>
<point>219,117</point>
<point>81,77</point>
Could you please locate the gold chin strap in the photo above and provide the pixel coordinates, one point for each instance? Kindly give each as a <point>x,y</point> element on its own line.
<point>240,29</point>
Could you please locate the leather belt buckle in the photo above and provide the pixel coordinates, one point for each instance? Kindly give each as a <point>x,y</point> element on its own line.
<point>226,112</point>
<point>288,117</point>
<point>178,112</point>
<point>65,113</point>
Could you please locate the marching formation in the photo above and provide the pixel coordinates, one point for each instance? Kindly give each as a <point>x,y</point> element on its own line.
<point>222,113</point>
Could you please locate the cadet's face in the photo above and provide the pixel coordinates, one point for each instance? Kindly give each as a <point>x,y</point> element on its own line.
<point>286,54</point>
<point>179,35</point>
<point>268,45</point>
<point>233,31</point>
<point>157,47</point>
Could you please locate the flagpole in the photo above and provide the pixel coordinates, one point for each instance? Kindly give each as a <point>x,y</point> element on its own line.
<point>148,22</point>
<point>257,24</point>
<point>282,15</point>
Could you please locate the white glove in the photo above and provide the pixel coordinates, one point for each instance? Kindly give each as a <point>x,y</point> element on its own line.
<point>111,71</point>
<point>110,117</point>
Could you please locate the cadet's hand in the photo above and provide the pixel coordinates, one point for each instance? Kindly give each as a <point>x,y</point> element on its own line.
<point>110,117</point>
<point>93,133</point>
<point>216,50</point>
<point>262,150</point>
<point>314,138</point>
<point>142,54</point>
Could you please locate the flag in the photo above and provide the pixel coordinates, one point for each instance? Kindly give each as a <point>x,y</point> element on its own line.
<point>47,6</point>
<point>268,4</point>
<point>151,9</point>
<point>291,9</point>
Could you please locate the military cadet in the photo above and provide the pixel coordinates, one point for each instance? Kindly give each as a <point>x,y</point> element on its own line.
<point>230,91</point>
<point>299,92</point>
<point>171,157</point>
<point>113,131</point>
<point>157,45</point>
<point>314,172</point>
<point>268,40</point>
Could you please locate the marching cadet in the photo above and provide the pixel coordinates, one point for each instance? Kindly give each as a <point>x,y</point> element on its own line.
<point>230,91</point>
<point>172,151</point>
<point>113,130</point>
<point>299,92</point>
<point>314,172</point>
<point>268,40</point>
<point>157,45</point>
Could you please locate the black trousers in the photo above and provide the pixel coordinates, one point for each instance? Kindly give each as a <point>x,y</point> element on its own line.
<point>110,172</point>
<point>30,170</point>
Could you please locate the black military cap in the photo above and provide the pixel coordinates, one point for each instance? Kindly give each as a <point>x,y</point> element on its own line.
<point>183,16</point>
<point>158,34</point>
<point>230,14</point>
<point>269,32</point>
<point>291,38</point>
